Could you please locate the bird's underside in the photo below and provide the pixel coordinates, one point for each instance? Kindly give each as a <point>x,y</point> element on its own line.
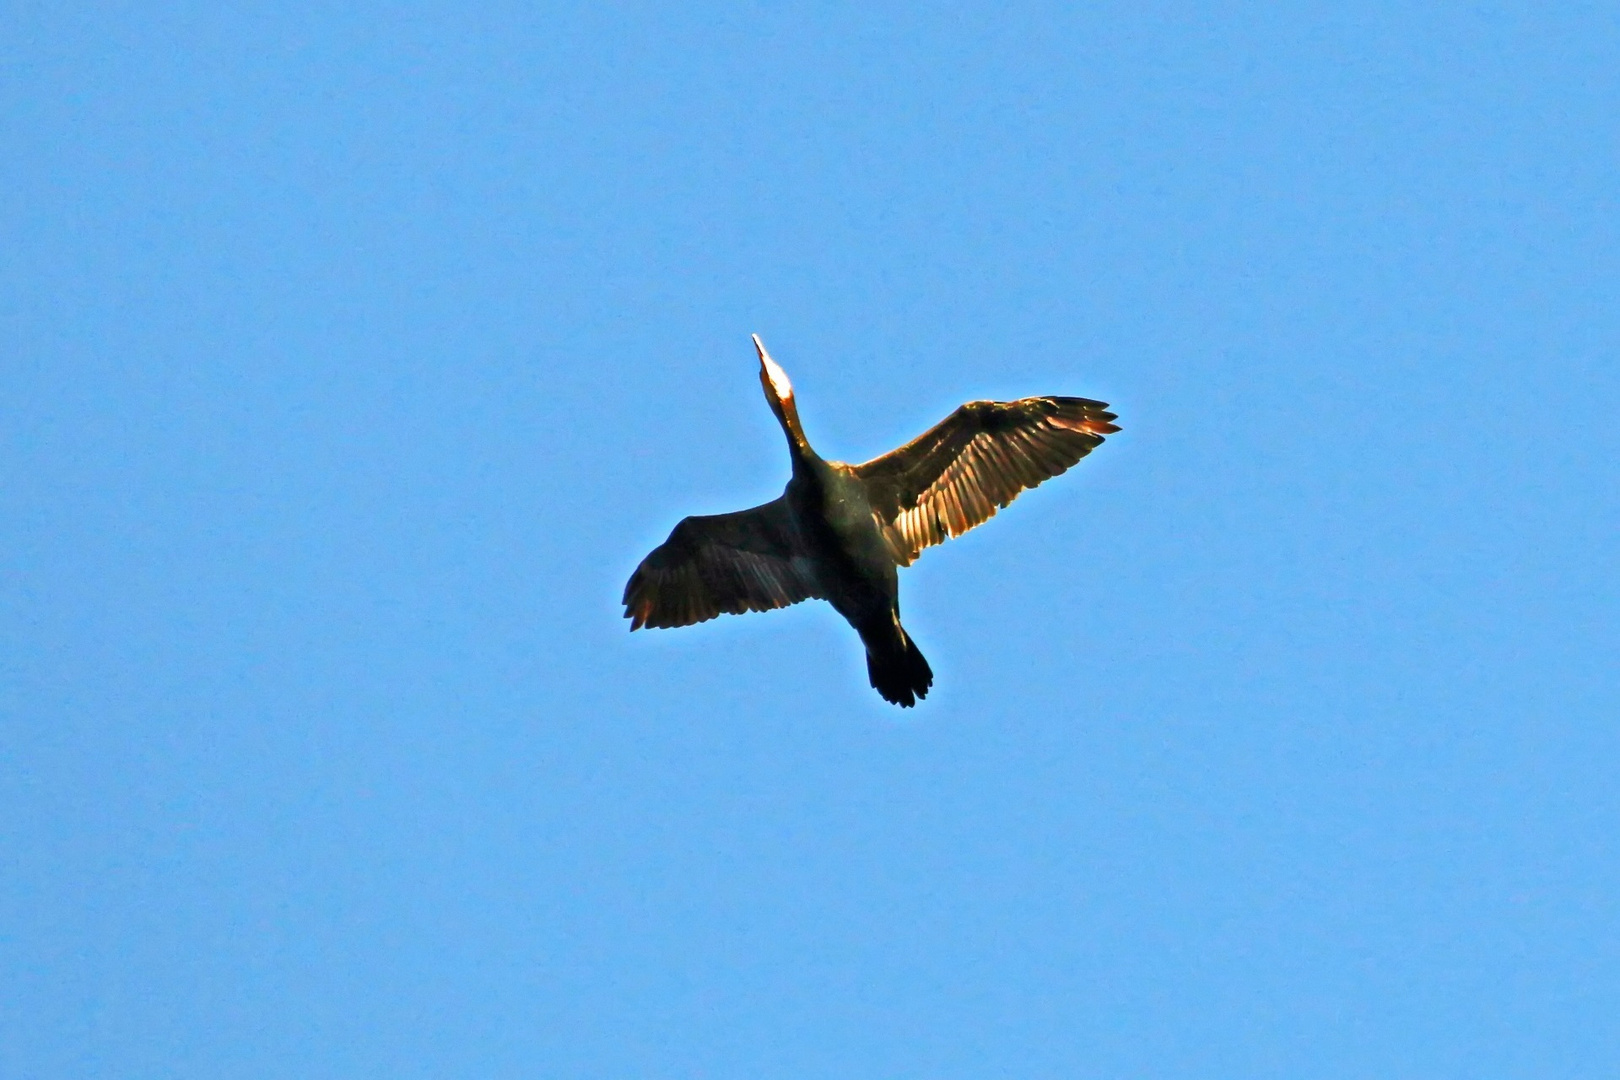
<point>839,531</point>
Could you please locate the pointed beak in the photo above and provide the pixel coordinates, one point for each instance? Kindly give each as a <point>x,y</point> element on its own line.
<point>771,371</point>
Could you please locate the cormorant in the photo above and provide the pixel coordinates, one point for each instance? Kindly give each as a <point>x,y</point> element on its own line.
<point>839,532</point>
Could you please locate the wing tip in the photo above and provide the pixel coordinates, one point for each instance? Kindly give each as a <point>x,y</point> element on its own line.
<point>1086,416</point>
<point>636,611</point>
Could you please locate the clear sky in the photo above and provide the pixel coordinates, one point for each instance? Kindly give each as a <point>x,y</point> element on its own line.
<point>350,360</point>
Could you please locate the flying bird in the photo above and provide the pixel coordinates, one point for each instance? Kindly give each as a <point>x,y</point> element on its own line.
<point>840,532</point>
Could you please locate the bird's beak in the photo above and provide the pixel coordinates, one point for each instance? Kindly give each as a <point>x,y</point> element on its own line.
<point>770,370</point>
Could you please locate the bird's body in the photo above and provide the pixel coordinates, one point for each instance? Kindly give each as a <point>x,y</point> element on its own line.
<point>856,573</point>
<point>840,532</point>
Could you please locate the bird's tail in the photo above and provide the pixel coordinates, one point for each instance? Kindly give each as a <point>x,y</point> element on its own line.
<point>897,668</point>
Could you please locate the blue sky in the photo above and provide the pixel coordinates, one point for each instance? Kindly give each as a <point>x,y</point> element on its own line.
<point>351,360</point>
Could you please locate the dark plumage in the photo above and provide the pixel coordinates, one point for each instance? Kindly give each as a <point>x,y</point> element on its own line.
<point>840,532</point>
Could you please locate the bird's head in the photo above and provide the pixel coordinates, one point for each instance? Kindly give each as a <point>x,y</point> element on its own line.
<point>778,389</point>
<point>779,392</point>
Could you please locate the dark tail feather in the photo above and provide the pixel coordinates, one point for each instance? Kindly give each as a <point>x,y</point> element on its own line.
<point>898,671</point>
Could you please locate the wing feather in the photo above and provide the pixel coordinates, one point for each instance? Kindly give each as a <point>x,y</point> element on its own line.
<point>960,472</point>
<point>723,563</point>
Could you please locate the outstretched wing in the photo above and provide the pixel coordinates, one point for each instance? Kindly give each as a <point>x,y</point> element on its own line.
<point>747,561</point>
<point>960,472</point>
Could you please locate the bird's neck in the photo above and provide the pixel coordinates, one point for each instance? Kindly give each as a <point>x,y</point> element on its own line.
<point>799,446</point>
